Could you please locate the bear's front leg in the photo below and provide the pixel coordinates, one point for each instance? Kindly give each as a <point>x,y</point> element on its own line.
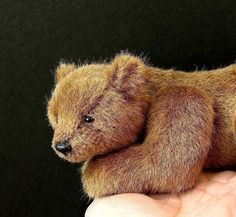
<point>127,170</point>
<point>178,139</point>
<point>179,136</point>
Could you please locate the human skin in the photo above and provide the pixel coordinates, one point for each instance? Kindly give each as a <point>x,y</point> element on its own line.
<point>214,195</point>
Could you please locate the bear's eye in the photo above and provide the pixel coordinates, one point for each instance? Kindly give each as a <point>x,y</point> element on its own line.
<point>88,118</point>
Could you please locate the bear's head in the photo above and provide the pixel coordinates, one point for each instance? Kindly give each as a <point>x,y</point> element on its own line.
<point>97,108</point>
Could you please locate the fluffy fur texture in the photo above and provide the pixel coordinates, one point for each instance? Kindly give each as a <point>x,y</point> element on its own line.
<point>154,130</point>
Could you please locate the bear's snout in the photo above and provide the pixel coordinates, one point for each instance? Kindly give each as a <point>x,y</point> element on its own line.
<point>63,147</point>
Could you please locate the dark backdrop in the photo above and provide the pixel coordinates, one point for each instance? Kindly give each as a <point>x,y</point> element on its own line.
<point>35,35</point>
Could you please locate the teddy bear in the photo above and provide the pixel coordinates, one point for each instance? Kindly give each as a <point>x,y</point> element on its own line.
<point>143,129</point>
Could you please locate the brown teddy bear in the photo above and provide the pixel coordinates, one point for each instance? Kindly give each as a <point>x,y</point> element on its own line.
<point>143,129</point>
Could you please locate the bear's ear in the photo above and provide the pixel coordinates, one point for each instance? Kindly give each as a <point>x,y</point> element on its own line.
<point>128,74</point>
<point>63,70</point>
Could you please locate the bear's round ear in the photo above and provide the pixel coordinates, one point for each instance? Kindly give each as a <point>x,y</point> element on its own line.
<point>63,70</point>
<point>128,73</point>
<point>126,62</point>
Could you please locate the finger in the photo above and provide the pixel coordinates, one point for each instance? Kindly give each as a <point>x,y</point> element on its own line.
<point>223,177</point>
<point>126,205</point>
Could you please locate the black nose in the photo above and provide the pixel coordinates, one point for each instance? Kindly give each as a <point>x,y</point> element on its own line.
<point>63,147</point>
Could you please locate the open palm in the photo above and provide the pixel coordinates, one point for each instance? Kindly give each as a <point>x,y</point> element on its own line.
<point>214,195</point>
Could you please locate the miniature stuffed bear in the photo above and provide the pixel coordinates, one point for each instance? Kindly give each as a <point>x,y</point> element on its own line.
<point>143,129</point>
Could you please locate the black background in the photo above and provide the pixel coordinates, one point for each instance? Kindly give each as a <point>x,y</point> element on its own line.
<point>35,35</point>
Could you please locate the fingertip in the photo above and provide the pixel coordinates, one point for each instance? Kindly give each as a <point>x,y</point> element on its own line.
<point>94,210</point>
<point>124,205</point>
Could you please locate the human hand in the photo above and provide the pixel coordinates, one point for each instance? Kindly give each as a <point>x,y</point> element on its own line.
<point>214,195</point>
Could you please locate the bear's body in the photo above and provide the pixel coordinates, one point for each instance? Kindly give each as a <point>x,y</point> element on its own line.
<point>188,122</point>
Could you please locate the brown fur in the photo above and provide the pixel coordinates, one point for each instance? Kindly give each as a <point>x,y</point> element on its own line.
<point>188,121</point>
